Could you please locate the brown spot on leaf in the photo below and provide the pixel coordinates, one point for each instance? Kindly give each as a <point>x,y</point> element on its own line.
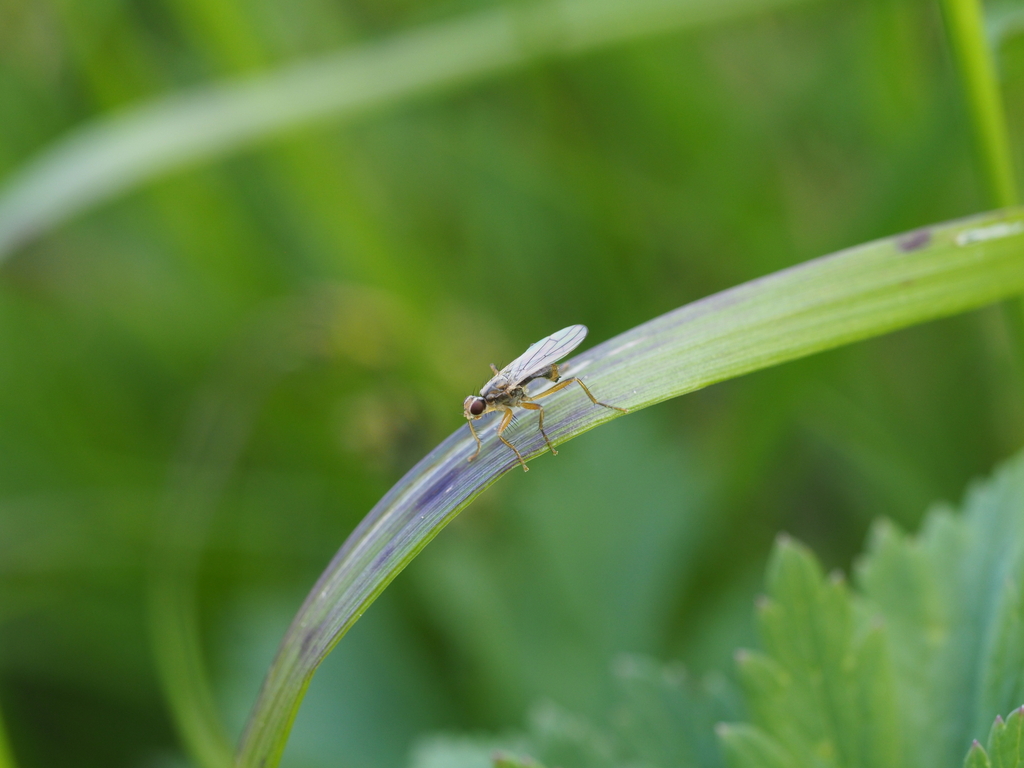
<point>912,241</point>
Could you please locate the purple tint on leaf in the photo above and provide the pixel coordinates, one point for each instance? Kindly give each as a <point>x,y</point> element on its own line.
<point>912,241</point>
<point>437,489</point>
<point>385,554</point>
<point>307,642</point>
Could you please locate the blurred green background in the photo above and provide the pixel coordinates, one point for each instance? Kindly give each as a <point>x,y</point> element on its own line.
<point>265,343</point>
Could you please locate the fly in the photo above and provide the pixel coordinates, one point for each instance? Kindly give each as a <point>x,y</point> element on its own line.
<point>507,390</point>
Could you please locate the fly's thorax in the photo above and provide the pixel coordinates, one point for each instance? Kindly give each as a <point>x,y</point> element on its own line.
<point>496,385</point>
<point>509,397</point>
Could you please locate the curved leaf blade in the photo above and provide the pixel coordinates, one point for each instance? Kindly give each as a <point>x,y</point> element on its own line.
<point>834,300</point>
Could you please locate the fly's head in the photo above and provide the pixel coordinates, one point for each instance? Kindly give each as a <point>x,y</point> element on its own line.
<point>474,407</point>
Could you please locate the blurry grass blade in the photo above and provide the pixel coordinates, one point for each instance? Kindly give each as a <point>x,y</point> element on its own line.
<point>281,336</point>
<point>6,758</point>
<point>1003,22</point>
<point>985,102</point>
<point>114,154</point>
<point>848,296</point>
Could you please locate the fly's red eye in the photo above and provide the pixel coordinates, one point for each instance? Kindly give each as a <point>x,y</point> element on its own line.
<point>477,407</point>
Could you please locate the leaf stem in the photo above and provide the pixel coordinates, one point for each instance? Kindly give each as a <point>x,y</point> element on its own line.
<point>976,66</point>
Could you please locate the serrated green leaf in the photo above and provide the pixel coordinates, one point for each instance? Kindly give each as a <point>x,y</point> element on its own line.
<point>951,604</point>
<point>834,686</point>
<point>768,689</point>
<point>976,757</point>
<point>749,747</point>
<point>441,751</point>
<point>824,689</point>
<point>506,760</point>
<point>666,719</point>
<point>1002,677</point>
<point>662,719</point>
<point>567,740</point>
<point>1006,741</point>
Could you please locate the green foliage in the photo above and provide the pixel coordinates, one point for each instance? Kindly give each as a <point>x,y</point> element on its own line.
<point>906,669</point>
<point>972,49</point>
<point>666,719</point>
<point>1005,744</point>
<point>6,760</point>
<point>505,760</point>
<point>826,302</point>
<point>951,601</point>
<point>660,718</point>
<point>109,156</point>
<point>911,668</point>
<point>823,688</point>
<point>414,246</point>
<point>468,752</point>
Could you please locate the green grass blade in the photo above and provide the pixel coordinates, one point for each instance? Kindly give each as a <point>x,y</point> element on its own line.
<point>180,663</point>
<point>220,422</point>
<point>6,757</point>
<point>114,154</point>
<point>838,299</point>
<point>985,102</point>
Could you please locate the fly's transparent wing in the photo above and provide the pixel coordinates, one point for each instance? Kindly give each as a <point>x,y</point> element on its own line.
<point>542,354</point>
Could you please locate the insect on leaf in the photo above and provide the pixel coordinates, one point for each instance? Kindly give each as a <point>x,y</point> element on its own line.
<point>835,300</point>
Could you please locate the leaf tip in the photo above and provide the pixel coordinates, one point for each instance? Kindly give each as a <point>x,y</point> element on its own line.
<point>977,757</point>
<point>1015,717</point>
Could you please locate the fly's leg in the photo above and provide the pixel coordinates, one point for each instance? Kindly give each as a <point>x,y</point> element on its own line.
<point>566,383</point>
<point>495,369</point>
<point>475,437</point>
<point>540,422</point>
<point>501,428</point>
